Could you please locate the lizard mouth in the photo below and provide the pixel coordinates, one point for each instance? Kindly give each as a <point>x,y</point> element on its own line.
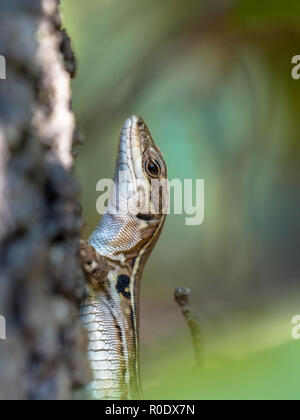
<point>145,217</point>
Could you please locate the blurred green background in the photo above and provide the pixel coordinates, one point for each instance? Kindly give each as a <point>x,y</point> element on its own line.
<point>213,81</point>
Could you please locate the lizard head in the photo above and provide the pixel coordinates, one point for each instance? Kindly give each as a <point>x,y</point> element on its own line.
<point>141,172</point>
<point>137,207</point>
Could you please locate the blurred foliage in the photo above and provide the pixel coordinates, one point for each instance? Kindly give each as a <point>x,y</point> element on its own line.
<point>272,374</point>
<point>213,80</point>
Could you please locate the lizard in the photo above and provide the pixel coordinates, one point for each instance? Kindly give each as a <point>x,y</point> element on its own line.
<point>113,260</point>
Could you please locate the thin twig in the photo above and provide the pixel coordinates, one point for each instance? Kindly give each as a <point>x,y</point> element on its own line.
<point>182,299</point>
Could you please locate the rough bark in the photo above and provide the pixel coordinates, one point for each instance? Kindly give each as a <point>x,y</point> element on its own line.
<point>40,279</point>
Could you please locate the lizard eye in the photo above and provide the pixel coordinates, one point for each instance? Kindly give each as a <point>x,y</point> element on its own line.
<point>141,125</point>
<point>153,168</point>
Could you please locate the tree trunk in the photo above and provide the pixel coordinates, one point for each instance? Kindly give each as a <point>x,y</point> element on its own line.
<point>43,356</point>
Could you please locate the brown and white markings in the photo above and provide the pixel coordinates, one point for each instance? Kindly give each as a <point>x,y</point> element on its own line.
<point>113,262</point>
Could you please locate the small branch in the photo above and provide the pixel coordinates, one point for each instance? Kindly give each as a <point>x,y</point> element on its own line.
<point>182,299</point>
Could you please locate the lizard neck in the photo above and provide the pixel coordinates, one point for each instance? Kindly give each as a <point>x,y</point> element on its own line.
<point>113,310</point>
<point>125,237</point>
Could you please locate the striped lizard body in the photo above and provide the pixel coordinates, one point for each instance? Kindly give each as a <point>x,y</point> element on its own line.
<point>113,262</point>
